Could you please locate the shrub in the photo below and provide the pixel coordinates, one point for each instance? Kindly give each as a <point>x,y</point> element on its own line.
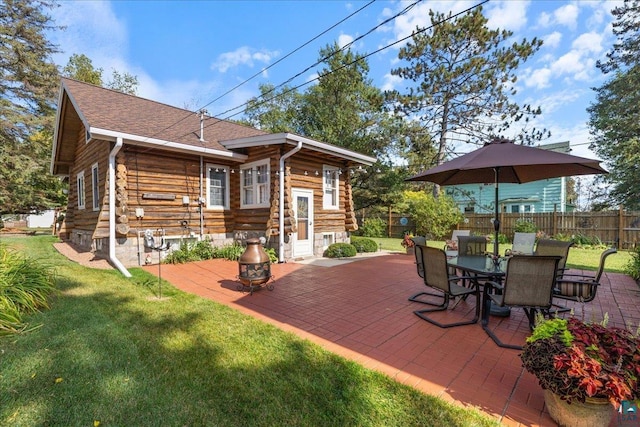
<point>186,253</point>
<point>25,284</point>
<point>524,226</point>
<point>433,217</point>
<point>363,244</point>
<point>340,250</point>
<point>633,266</point>
<point>273,256</point>
<point>374,227</point>
<point>231,252</point>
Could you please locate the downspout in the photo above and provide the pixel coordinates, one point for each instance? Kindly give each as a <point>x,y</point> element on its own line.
<point>201,198</point>
<point>112,211</point>
<point>281,201</point>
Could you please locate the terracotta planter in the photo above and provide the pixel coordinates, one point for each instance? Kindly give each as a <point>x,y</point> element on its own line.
<point>594,412</point>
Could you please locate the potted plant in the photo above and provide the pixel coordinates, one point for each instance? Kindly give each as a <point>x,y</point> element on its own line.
<point>583,367</point>
<point>408,243</point>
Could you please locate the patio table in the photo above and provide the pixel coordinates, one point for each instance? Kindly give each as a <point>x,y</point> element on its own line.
<point>482,266</point>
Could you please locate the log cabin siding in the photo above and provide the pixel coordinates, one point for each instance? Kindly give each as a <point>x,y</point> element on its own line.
<point>157,183</point>
<point>86,155</point>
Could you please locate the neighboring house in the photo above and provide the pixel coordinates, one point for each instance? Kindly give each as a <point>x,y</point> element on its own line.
<point>547,195</point>
<point>136,165</point>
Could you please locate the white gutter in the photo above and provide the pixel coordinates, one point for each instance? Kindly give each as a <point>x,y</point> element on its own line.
<point>281,201</point>
<point>112,209</point>
<point>144,141</point>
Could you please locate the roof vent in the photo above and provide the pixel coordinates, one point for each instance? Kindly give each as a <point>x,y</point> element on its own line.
<point>202,113</point>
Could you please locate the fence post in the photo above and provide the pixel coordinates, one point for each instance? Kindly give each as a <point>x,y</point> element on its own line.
<point>620,227</point>
<point>389,223</point>
<point>554,219</point>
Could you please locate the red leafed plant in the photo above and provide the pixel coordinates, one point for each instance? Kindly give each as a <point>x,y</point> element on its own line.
<point>576,360</point>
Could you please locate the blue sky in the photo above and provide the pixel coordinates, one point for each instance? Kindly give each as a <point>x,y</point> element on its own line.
<point>188,53</point>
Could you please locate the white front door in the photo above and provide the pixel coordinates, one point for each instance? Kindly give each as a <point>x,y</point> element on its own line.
<point>303,209</point>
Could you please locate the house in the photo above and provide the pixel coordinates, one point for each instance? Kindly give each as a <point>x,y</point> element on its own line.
<point>138,167</point>
<point>547,195</point>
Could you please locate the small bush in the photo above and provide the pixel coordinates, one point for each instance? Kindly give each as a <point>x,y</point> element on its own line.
<point>524,226</point>
<point>633,266</point>
<point>25,284</point>
<point>273,256</point>
<point>231,252</point>
<point>340,250</point>
<point>363,244</point>
<point>374,227</point>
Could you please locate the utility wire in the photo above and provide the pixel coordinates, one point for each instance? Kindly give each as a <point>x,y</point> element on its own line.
<point>345,65</point>
<point>268,67</point>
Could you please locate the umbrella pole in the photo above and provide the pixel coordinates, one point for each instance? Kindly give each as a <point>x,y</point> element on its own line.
<point>496,220</point>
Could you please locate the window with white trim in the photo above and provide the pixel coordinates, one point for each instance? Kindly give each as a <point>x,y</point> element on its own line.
<point>80,189</point>
<point>330,187</point>
<point>254,182</point>
<point>217,187</point>
<point>95,188</point>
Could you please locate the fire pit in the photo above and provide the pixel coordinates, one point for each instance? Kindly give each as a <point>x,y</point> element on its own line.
<point>254,267</point>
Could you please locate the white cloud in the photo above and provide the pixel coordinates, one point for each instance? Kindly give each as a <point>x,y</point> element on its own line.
<point>544,20</point>
<point>591,42</point>
<point>567,15</point>
<point>92,29</point>
<point>570,62</point>
<point>242,56</point>
<point>508,15</point>
<point>391,81</point>
<point>552,40</point>
<point>344,39</point>
<point>538,78</point>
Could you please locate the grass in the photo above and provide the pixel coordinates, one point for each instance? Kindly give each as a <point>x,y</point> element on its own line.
<point>580,258</point>
<point>109,352</point>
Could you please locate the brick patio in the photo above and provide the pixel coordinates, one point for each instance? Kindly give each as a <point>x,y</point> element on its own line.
<point>360,310</point>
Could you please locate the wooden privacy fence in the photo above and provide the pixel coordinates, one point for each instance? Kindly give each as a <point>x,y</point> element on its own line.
<point>620,228</point>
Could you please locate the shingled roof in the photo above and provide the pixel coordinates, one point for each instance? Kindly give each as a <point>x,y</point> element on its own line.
<point>116,111</point>
<point>108,114</point>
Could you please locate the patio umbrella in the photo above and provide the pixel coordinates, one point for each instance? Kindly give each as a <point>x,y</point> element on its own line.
<point>502,161</point>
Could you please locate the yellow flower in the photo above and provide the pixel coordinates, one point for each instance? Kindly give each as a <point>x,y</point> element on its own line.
<point>58,380</point>
<point>96,423</point>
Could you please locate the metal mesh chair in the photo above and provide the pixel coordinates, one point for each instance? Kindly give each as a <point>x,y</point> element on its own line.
<point>436,276</point>
<point>523,243</point>
<point>550,247</point>
<point>472,245</point>
<point>580,287</point>
<point>528,284</point>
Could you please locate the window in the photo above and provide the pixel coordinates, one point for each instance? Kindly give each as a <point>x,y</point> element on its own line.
<point>327,240</point>
<point>255,185</point>
<point>522,208</point>
<point>95,189</point>
<point>330,186</point>
<point>80,188</point>
<point>217,187</point>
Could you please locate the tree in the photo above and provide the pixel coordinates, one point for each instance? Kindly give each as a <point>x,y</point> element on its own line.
<point>275,111</point>
<point>80,67</point>
<point>614,117</point>
<point>345,108</point>
<point>462,76</point>
<point>433,217</point>
<point>28,83</point>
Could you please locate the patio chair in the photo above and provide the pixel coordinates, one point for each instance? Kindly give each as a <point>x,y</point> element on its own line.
<point>419,241</point>
<point>523,243</point>
<point>452,245</point>
<point>528,284</point>
<point>472,245</point>
<point>554,248</point>
<point>436,276</point>
<point>581,287</point>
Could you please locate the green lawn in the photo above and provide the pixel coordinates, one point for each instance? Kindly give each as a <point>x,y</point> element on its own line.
<point>581,258</point>
<point>109,352</point>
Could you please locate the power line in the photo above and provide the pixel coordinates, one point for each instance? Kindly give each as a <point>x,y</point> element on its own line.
<point>345,65</point>
<point>267,68</point>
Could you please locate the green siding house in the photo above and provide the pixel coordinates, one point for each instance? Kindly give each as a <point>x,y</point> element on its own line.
<point>539,196</point>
